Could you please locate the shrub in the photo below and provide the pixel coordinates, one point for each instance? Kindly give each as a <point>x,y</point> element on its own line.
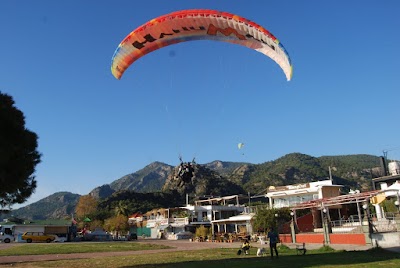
<point>202,231</point>
<point>326,249</point>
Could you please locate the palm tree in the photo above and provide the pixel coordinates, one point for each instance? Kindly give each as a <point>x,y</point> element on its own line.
<point>121,208</point>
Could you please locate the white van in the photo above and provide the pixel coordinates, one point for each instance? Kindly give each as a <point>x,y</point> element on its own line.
<point>6,238</point>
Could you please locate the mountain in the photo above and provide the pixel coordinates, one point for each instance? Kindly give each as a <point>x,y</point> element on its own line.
<point>352,171</point>
<point>189,179</point>
<point>221,178</point>
<point>154,178</point>
<point>59,205</point>
<point>203,181</point>
<point>149,179</point>
<point>140,202</point>
<point>225,168</point>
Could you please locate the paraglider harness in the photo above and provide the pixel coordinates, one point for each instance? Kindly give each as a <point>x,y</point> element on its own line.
<point>185,171</point>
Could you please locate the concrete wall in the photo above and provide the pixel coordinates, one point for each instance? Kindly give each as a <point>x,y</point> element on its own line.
<point>310,238</point>
<point>285,238</point>
<point>391,239</point>
<point>352,239</point>
<point>56,229</point>
<point>20,229</point>
<point>318,238</point>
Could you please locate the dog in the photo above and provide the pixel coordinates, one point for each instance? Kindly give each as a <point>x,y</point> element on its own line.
<point>239,252</point>
<point>261,252</point>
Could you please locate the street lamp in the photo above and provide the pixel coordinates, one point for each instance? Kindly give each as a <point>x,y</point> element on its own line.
<point>276,221</point>
<point>292,227</point>
<point>366,209</point>
<point>326,226</point>
<point>366,212</point>
<point>292,217</point>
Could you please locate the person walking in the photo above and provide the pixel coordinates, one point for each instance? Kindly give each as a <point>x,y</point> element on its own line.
<point>273,240</point>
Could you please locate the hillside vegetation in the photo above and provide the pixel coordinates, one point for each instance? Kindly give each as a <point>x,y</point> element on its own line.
<point>59,205</point>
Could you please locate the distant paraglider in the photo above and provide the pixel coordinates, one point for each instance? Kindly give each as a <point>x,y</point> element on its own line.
<point>198,24</point>
<point>240,146</point>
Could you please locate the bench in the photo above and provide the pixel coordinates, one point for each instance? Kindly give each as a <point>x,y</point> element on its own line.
<point>301,249</point>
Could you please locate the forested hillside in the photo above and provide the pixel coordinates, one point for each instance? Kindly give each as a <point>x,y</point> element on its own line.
<point>59,205</point>
<point>352,171</point>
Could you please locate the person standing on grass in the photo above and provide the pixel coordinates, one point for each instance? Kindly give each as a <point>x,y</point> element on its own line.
<point>273,240</point>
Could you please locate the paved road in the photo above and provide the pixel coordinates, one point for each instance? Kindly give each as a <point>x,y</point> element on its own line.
<point>177,246</point>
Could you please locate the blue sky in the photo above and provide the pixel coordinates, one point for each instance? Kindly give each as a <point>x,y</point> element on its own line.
<point>198,99</point>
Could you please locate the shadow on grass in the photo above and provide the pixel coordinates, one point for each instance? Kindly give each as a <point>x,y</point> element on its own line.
<point>312,259</point>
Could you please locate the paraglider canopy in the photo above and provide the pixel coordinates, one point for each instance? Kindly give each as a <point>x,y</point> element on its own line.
<point>198,24</point>
<point>240,145</point>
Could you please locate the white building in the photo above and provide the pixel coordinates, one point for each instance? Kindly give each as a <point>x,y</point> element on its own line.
<point>233,224</point>
<point>171,222</point>
<point>291,195</point>
<point>221,213</point>
<point>207,210</point>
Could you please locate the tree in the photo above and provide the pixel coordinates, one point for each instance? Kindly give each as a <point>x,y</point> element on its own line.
<point>95,225</point>
<point>262,219</point>
<point>117,224</point>
<point>270,218</point>
<point>86,206</point>
<point>18,155</point>
<point>121,208</point>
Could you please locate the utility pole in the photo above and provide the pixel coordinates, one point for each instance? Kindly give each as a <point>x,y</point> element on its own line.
<point>385,153</point>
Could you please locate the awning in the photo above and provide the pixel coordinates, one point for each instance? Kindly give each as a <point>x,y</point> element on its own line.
<point>177,225</point>
<point>393,190</point>
<point>163,227</point>
<point>337,200</point>
<point>150,225</point>
<point>238,218</point>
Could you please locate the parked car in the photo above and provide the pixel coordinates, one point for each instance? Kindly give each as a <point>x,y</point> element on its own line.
<point>132,237</point>
<point>184,235</point>
<point>6,238</point>
<point>37,237</point>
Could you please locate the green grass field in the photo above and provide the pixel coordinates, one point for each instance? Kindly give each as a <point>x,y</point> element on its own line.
<point>324,257</point>
<point>65,248</point>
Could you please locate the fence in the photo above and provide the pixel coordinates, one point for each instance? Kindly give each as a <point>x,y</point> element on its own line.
<point>354,224</point>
